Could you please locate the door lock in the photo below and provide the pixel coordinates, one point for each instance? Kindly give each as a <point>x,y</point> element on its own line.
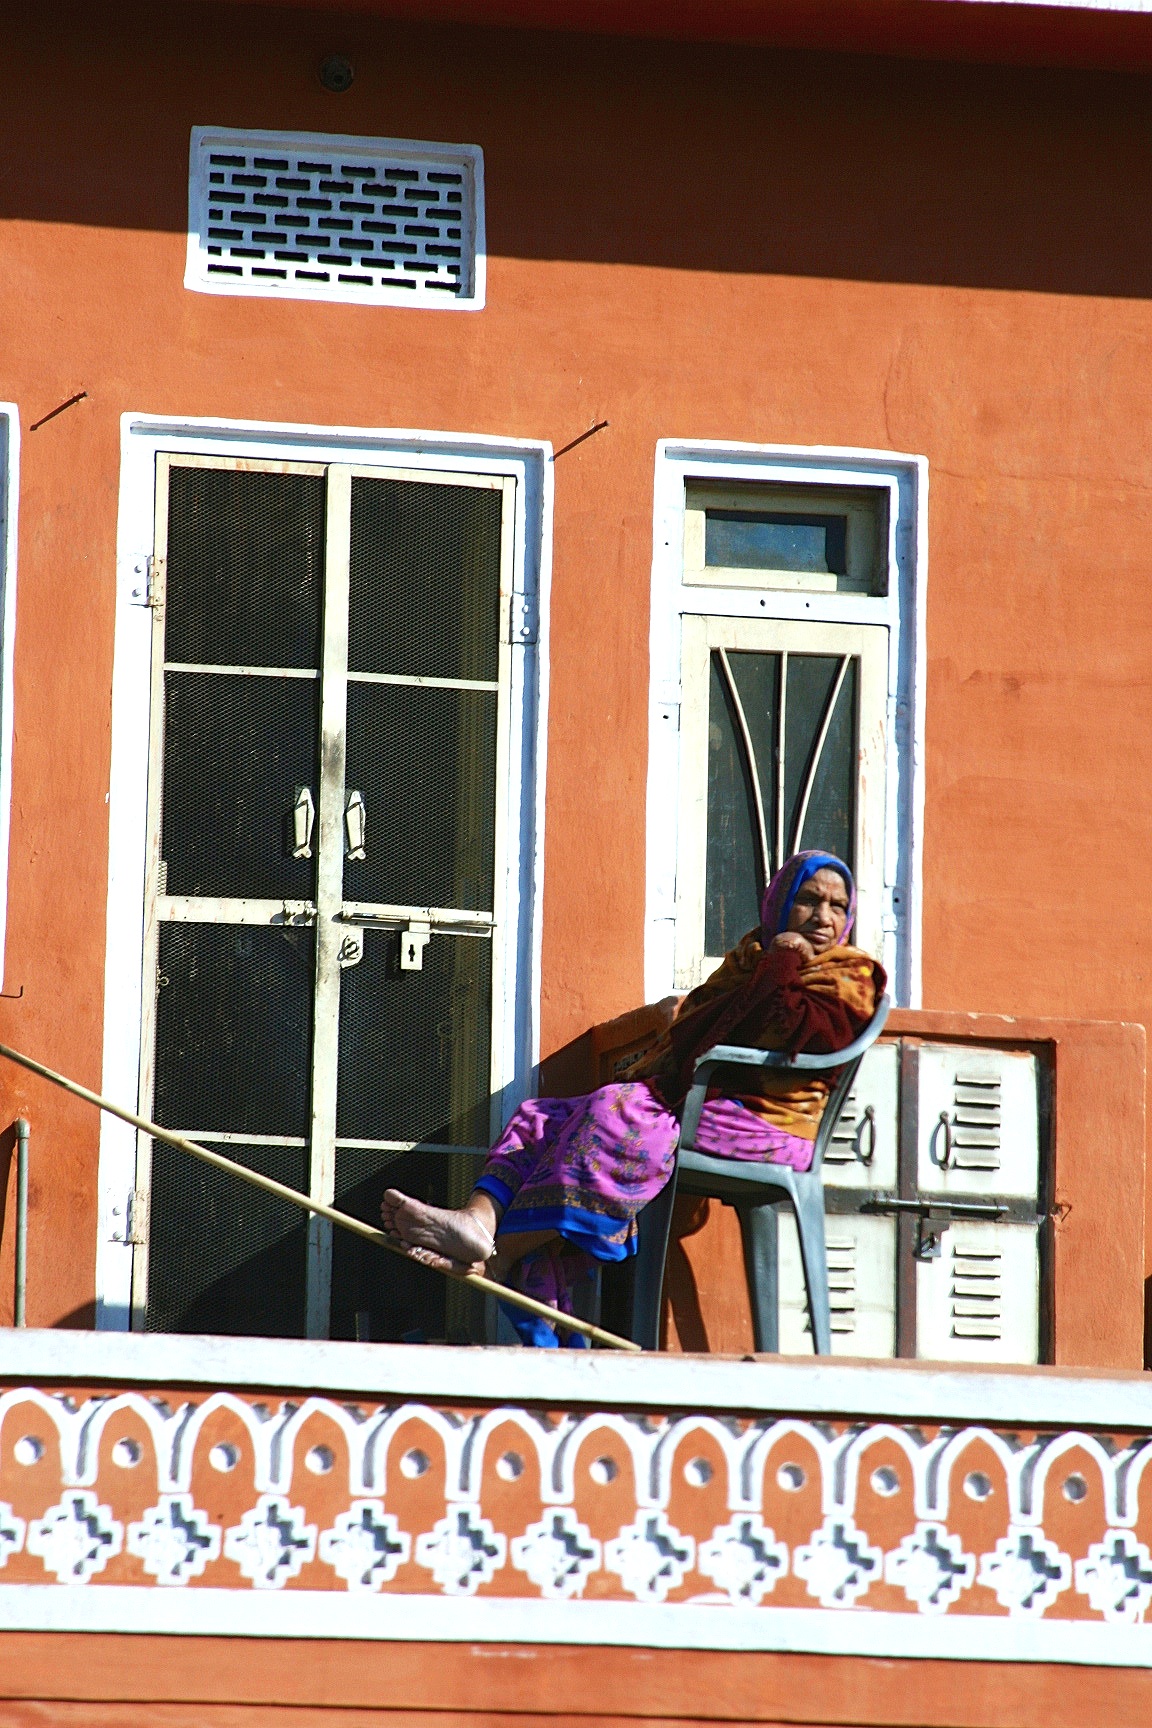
<point>413,941</point>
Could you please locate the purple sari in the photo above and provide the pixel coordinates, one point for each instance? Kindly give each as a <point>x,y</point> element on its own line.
<point>586,1167</point>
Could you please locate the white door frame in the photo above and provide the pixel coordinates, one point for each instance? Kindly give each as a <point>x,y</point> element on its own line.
<point>518,896</point>
<point>901,611</point>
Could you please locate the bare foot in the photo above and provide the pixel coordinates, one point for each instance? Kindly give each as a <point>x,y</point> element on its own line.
<point>449,1241</point>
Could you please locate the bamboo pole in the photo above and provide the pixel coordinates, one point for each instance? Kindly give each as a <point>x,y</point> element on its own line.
<point>568,1322</point>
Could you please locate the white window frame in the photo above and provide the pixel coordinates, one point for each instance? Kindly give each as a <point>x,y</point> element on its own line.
<point>9,500</point>
<point>901,611</point>
<point>518,895</point>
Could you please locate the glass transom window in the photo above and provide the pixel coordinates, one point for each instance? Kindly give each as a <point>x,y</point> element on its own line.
<point>827,538</point>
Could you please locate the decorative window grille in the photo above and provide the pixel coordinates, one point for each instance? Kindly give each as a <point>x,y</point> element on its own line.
<point>308,216</point>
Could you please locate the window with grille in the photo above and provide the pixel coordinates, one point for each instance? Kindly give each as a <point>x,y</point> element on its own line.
<point>782,749</point>
<point>307,216</point>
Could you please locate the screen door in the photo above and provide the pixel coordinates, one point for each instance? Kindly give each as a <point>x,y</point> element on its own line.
<point>327,827</point>
<point>782,749</point>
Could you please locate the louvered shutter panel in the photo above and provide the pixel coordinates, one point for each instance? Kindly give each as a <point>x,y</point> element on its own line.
<point>861,1286</point>
<point>979,1139</point>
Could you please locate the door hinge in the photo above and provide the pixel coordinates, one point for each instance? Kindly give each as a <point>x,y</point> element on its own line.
<point>523,618</point>
<point>133,1232</point>
<point>148,578</point>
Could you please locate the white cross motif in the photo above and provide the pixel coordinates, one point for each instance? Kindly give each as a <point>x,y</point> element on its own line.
<point>558,1553</point>
<point>462,1551</point>
<point>271,1542</point>
<point>838,1564</point>
<point>76,1538</point>
<point>931,1568</point>
<point>11,1532</point>
<point>174,1540</point>
<point>1116,1577</point>
<point>744,1558</point>
<point>1026,1571</point>
<point>650,1556</point>
<point>365,1546</point>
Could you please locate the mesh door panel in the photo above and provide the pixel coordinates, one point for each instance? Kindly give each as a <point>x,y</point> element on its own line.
<point>425,761</point>
<point>401,1299</point>
<point>235,752</point>
<point>414,1046</point>
<point>425,579</point>
<point>234,1028</point>
<point>222,1256</point>
<point>245,567</point>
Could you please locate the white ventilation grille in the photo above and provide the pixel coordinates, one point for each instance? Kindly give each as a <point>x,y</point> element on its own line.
<point>307,216</point>
<point>975,1126</point>
<point>842,1284</point>
<point>976,1293</point>
<point>845,1144</point>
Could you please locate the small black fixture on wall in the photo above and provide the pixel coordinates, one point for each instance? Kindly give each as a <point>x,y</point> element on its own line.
<point>336,73</point>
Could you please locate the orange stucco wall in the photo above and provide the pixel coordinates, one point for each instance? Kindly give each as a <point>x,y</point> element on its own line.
<point>78,1681</point>
<point>686,241</point>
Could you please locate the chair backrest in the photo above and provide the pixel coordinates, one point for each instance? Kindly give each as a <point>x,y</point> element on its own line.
<point>742,1056</point>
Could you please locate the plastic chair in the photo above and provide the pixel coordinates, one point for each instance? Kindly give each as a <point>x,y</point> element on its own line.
<point>755,1190</point>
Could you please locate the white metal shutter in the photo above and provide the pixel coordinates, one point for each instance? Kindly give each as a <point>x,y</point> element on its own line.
<point>979,1139</point>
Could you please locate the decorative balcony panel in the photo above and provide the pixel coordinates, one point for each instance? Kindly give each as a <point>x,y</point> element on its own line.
<point>572,1498</point>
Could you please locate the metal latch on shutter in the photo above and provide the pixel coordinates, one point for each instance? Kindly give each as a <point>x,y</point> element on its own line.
<point>934,1216</point>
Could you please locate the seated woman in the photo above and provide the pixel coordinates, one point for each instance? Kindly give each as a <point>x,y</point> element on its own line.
<point>563,1185</point>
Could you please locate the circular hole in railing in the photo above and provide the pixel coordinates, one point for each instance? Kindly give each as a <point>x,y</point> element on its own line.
<point>224,1457</point>
<point>791,1477</point>
<point>603,1471</point>
<point>977,1486</point>
<point>415,1463</point>
<point>885,1481</point>
<point>509,1466</point>
<point>29,1449</point>
<point>1075,1488</point>
<point>698,1472</point>
<point>320,1460</point>
<point>127,1453</point>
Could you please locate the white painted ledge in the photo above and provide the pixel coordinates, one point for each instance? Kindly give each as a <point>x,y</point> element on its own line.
<point>654,1626</point>
<point>566,1378</point>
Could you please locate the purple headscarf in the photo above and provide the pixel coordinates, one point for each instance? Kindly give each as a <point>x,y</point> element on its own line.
<point>780,894</point>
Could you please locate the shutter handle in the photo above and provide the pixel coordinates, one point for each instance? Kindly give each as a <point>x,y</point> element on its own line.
<point>869,1122</point>
<point>303,817</point>
<point>355,822</point>
<point>946,1125</point>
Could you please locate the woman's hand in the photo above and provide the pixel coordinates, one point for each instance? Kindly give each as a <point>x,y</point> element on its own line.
<point>793,939</point>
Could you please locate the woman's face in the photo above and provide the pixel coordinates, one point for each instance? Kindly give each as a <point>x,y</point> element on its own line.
<point>820,909</point>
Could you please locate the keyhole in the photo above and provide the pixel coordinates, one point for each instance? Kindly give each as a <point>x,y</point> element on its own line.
<point>411,951</point>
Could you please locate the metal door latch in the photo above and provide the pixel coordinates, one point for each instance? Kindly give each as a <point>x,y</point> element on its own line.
<point>934,1217</point>
<point>413,941</point>
<point>351,949</point>
<point>930,1228</point>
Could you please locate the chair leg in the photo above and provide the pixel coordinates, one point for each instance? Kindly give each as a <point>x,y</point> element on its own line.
<point>759,1231</point>
<point>654,1226</point>
<point>810,1223</point>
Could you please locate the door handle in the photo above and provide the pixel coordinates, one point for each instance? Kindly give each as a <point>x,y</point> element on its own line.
<point>355,825</point>
<point>303,817</point>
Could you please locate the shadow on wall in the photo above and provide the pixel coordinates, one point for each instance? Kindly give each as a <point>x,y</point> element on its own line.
<point>695,157</point>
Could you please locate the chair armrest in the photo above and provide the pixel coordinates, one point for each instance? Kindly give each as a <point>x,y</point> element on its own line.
<point>742,1056</point>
